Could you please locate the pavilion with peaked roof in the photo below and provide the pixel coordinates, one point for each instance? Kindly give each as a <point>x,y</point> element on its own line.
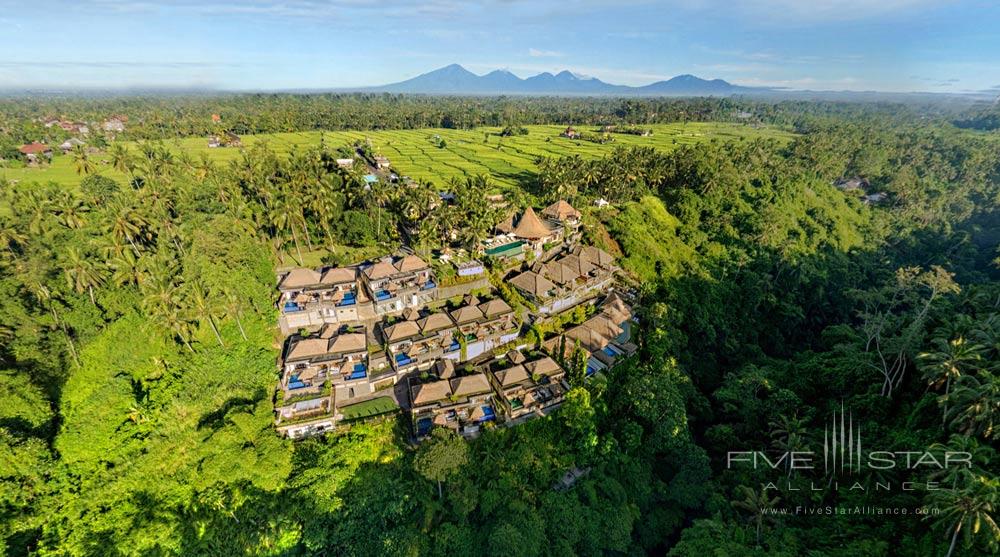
<point>562,211</point>
<point>530,227</point>
<point>528,230</point>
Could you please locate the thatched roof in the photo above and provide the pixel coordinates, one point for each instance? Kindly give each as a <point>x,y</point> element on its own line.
<point>410,263</point>
<point>494,307</point>
<point>512,376</point>
<point>379,270</point>
<point>350,342</point>
<point>595,255</point>
<point>338,275</point>
<point>401,330</point>
<point>466,314</point>
<point>531,227</point>
<point>444,368</point>
<point>533,283</point>
<point>577,264</point>
<point>434,322</point>
<point>426,393</point>
<point>307,348</point>
<point>559,273</point>
<point>544,366</point>
<point>411,314</point>
<point>470,385</point>
<point>561,211</point>
<point>298,278</point>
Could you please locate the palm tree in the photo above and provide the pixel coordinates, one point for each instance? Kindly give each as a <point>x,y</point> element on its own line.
<point>81,273</point>
<point>283,219</point>
<point>968,510</point>
<point>788,435</point>
<point>33,275</point>
<point>757,503</point>
<point>70,210</point>
<point>82,160</point>
<point>976,407</point>
<point>160,303</point>
<point>121,159</point>
<point>202,304</point>
<point>233,307</point>
<point>948,363</point>
<point>129,225</point>
<point>11,238</point>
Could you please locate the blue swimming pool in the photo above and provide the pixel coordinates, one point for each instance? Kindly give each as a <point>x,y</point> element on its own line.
<point>359,371</point>
<point>488,414</point>
<point>403,359</point>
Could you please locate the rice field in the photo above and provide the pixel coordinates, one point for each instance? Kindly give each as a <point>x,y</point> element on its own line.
<point>416,153</point>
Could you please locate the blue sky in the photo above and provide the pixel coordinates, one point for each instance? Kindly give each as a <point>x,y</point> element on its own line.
<point>885,45</point>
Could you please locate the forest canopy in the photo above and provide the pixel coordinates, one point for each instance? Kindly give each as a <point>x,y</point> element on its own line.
<point>138,342</point>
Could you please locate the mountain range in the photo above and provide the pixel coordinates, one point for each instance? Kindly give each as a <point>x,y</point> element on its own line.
<point>456,80</point>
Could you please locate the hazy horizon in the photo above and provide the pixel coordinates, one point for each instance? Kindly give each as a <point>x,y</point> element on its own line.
<point>268,45</point>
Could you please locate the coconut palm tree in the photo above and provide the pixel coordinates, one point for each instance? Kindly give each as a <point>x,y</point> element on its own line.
<point>976,405</point>
<point>788,434</point>
<point>202,304</point>
<point>949,362</point>
<point>33,275</point>
<point>82,274</point>
<point>283,219</point>
<point>121,159</point>
<point>234,308</point>
<point>757,504</point>
<point>128,224</point>
<point>161,304</point>
<point>71,210</point>
<point>81,159</point>
<point>11,238</point>
<point>968,509</point>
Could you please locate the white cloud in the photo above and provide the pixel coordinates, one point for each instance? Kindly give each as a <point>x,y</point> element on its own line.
<point>536,53</point>
<point>816,11</point>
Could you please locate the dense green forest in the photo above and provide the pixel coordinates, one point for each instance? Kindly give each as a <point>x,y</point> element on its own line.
<point>138,341</point>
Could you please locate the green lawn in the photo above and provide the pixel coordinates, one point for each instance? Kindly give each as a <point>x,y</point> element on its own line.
<point>369,408</point>
<point>415,152</point>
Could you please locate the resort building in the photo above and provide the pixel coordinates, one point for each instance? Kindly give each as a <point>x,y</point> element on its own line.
<point>533,232</point>
<point>385,335</point>
<point>462,404</point>
<point>527,388</point>
<point>564,213</point>
<point>606,336</point>
<point>529,232</point>
<point>316,372</point>
<point>483,326</point>
<point>337,354</point>
<point>397,283</point>
<point>416,343</point>
<point>312,298</point>
<point>565,281</point>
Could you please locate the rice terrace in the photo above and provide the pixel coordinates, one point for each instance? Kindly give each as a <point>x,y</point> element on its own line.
<point>438,155</point>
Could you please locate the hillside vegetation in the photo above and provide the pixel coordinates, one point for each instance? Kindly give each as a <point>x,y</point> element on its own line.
<point>138,348</point>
